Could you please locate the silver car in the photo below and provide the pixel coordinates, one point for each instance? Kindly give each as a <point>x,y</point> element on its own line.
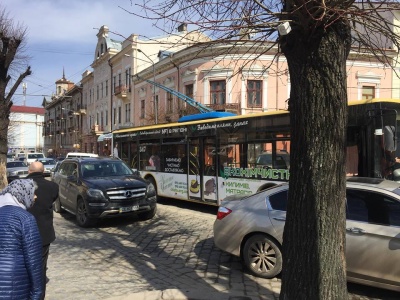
<point>16,170</point>
<point>48,164</point>
<point>252,228</point>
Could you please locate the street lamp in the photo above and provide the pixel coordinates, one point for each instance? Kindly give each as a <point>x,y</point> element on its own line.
<point>154,87</point>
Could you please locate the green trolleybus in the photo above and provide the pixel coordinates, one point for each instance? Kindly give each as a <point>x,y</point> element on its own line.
<point>207,160</point>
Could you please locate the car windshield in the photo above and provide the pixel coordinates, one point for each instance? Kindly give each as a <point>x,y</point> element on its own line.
<point>48,162</point>
<point>105,169</point>
<point>16,164</point>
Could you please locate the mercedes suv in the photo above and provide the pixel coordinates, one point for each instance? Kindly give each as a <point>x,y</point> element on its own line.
<point>102,187</point>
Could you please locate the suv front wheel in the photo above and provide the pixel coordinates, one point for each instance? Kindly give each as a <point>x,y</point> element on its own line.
<point>82,218</point>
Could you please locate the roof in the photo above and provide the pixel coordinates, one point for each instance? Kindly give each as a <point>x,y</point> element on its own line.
<point>27,109</point>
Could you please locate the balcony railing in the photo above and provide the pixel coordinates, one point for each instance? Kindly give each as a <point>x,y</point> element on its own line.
<point>121,90</point>
<point>231,107</point>
<point>97,129</point>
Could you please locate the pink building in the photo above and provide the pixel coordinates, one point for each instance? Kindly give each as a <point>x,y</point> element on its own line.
<point>243,78</point>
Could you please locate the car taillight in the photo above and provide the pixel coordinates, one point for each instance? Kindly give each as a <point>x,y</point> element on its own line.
<point>223,212</point>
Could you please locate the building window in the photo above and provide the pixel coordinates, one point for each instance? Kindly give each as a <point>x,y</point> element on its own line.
<point>254,93</point>
<point>101,119</point>
<point>189,90</point>
<point>129,78</point>
<point>119,79</point>
<point>142,108</point>
<point>114,81</point>
<point>102,90</point>
<point>368,92</point>
<point>217,92</point>
<point>119,115</point>
<point>106,88</point>
<point>115,116</point>
<point>97,92</point>
<point>106,115</point>
<point>170,103</point>
<point>127,112</point>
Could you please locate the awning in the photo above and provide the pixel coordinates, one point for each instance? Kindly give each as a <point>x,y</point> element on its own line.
<point>102,137</point>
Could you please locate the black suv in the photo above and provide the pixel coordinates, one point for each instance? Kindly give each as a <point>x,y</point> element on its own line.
<point>101,187</point>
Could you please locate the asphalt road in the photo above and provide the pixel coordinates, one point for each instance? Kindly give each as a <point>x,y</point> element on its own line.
<point>175,250</point>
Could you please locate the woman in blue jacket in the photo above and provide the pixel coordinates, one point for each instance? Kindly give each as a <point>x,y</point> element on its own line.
<point>20,243</point>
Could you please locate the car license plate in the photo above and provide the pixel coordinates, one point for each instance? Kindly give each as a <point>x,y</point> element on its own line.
<point>128,208</point>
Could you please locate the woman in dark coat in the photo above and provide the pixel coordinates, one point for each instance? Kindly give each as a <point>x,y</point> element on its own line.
<point>20,243</point>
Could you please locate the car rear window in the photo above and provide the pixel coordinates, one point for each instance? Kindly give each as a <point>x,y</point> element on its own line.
<point>278,201</point>
<point>35,156</point>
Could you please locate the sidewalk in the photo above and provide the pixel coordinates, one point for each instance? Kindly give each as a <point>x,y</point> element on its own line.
<point>175,294</point>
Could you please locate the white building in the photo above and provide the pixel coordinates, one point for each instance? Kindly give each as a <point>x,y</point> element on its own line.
<point>25,131</point>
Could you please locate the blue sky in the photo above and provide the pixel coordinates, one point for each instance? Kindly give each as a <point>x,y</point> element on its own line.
<point>62,35</point>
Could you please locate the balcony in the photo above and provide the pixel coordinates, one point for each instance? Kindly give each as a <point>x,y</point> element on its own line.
<point>97,129</point>
<point>231,107</point>
<point>121,91</point>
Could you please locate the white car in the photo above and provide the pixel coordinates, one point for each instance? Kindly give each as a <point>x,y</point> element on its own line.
<point>31,157</point>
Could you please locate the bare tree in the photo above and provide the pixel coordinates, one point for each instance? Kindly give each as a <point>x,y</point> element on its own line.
<point>316,37</point>
<point>12,38</point>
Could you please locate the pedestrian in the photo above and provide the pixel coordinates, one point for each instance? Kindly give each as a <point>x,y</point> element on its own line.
<point>20,243</point>
<point>115,152</point>
<point>47,193</point>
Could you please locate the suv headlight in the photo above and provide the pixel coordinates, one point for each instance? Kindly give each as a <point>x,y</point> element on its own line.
<point>96,194</point>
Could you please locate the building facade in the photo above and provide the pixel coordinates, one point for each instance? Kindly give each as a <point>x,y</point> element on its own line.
<point>25,132</point>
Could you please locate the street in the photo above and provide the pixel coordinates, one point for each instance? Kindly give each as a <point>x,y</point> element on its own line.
<point>175,250</point>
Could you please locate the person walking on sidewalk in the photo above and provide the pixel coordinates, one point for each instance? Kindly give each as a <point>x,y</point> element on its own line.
<point>115,151</point>
<point>47,193</point>
<point>20,244</point>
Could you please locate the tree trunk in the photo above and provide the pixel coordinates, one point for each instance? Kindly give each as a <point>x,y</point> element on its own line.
<point>314,235</point>
<point>4,122</point>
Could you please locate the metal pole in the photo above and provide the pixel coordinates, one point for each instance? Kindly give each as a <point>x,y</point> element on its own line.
<point>154,96</point>
<point>154,87</point>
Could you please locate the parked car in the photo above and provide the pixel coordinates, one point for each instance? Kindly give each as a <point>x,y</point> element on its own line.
<point>93,188</point>
<point>16,170</point>
<point>49,164</point>
<point>31,157</point>
<point>281,160</point>
<point>252,228</point>
<point>10,157</point>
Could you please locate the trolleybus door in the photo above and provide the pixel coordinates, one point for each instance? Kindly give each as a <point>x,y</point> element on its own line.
<point>202,174</point>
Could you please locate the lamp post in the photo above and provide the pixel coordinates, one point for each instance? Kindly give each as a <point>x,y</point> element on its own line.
<point>154,87</point>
